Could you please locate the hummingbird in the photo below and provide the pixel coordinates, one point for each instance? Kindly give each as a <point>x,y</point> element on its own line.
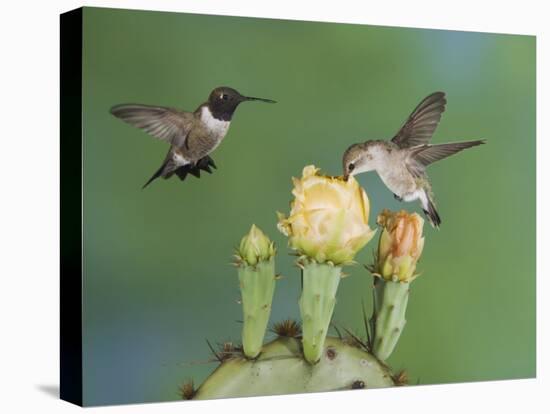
<point>401,162</point>
<point>192,136</point>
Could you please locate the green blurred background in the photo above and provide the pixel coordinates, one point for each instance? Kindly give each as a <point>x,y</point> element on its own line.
<point>157,275</point>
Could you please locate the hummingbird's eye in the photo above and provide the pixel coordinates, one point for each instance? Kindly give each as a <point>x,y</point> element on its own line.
<point>351,166</point>
<point>225,97</point>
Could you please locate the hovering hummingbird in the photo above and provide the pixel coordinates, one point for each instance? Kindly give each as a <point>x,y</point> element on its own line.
<point>401,162</point>
<point>192,135</point>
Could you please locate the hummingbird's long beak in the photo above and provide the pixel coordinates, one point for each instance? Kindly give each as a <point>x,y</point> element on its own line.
<point>346,176</point>
<point>251,98</point>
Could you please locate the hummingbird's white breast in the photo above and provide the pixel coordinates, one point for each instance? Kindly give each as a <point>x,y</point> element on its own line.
<point>217,127</point>
<point>394,174</point>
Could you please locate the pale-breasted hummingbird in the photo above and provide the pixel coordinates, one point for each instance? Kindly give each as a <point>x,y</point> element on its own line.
<point>401,162</point>
<point>192,135</point>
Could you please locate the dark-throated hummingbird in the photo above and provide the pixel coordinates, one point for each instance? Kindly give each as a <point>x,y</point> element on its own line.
<point>401,162</point>
<point>192,135</point>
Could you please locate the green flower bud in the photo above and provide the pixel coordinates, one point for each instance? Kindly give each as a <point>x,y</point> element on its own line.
<point>255,247</point>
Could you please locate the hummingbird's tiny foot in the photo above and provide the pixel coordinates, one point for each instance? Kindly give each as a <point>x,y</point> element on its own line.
<point>397,197</point>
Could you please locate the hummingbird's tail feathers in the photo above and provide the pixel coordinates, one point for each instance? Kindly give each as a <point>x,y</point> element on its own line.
<point>428,154</point>
<point>166,170</point>
<point>203,164</point>
<point>432,215</point>
<point>428,206</point>
<point>169,168</point>
<point>156,175</point>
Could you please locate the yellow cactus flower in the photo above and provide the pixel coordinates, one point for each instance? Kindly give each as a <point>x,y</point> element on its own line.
<point>400,246</point>
<point>329,216</point>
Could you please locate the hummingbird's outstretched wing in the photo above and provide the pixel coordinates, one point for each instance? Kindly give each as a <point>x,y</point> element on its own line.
<point>423,155</point>
<point>422,122</point>
<point>428,154</point>
<point>167,124</point>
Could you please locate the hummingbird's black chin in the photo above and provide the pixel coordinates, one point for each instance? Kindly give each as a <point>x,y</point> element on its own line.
<point>251,98</point>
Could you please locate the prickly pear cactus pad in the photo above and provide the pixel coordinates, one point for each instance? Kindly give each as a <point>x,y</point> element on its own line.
<point>282,369</point>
